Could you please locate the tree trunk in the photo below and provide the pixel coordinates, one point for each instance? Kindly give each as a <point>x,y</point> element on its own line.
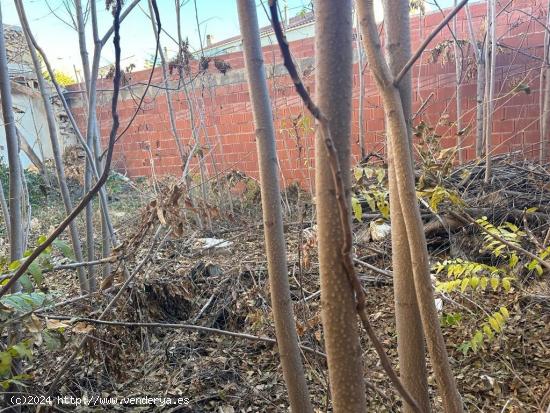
<point>490,87</point>
<point>92,130</point>
<point>401,159</point>
<point>410,338</point>
<point>544,101</point>
<point>5,211</point>
<point>12,146</point>
<point>15,194</point>
<point>56,150</point>
<point>458,78</point>
<point>360,66</point>
<point>333,41</point>
<point>480,84</point>
<point>480,110</point>
<point>88,175</point>
<point>283,314</point>
<point>171,117</point>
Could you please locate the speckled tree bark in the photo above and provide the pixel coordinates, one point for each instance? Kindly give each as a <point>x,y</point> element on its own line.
<point>285,329</point>
<point>410,338</point>
<point>333,58</point>
<point>401,159</point>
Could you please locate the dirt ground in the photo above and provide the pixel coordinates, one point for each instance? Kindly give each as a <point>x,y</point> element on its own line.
<point>225,287</point>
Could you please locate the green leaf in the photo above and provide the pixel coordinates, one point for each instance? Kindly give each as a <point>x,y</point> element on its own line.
<point>465,347</point>
<point>464,284</point>
<point>488,332</point>
<point>52,339</point>
<point>14,265</point>
<point>495,324</point>
<point>504,312</point>
<point>65,249</point>
<point>357,209</point>
<point>24,302</point>
<point>26,283</point>
<point>36,271</point>
<point>22,350</point>
<point>513,260</point>
<point>506,283</point>
<point>5,363</point>
<point>483,283</point>
<point>380,174</point>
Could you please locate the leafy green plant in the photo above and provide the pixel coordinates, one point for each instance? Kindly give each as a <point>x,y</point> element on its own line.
<point>535,264</point>
<point>21,305</point>
<point>439,194</point>
<point>469,275</point>
<point>450,319</point>
<point>508,232</point>
<point>36,269</point>
<point>493,325</point>
<point>35,184</point>
<point>370,188</point>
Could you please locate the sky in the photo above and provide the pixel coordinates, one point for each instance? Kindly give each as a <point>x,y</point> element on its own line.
<point>50,23</point>
<point>51,26</point>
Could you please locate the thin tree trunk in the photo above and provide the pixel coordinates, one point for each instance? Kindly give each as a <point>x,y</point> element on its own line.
<point>403,175</point>
<point>26,208</point>
<point>480,110</point>
<point>544,102</point>
<point>490,86</point>
<point>181,73</point>
<point>15,194</point>
<point>5,211</point>
<point>12,146</point>
<point>480,84</point>
<point>283,314</point>
<point>56,151</point>
<point>333,57</point>
<point>88,176</point>
<point>410,338</point>
<point>171,116</point>
<point>360,66</point>
<point>92,131</point>
<point>198,149</point>
<point>458,97</point>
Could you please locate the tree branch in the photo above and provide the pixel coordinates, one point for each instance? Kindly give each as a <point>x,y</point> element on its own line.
<point>176,326</point>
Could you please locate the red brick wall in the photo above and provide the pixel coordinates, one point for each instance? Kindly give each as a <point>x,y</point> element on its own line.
<point>224,123</point>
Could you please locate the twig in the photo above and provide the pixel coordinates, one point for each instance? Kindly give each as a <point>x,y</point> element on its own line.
<point>176,325</point>
<point>347,259</point>
<point>71,265</point>
<point>385,273</point>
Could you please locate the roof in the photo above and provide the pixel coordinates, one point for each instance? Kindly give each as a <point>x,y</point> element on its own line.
<point>293,23</point>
